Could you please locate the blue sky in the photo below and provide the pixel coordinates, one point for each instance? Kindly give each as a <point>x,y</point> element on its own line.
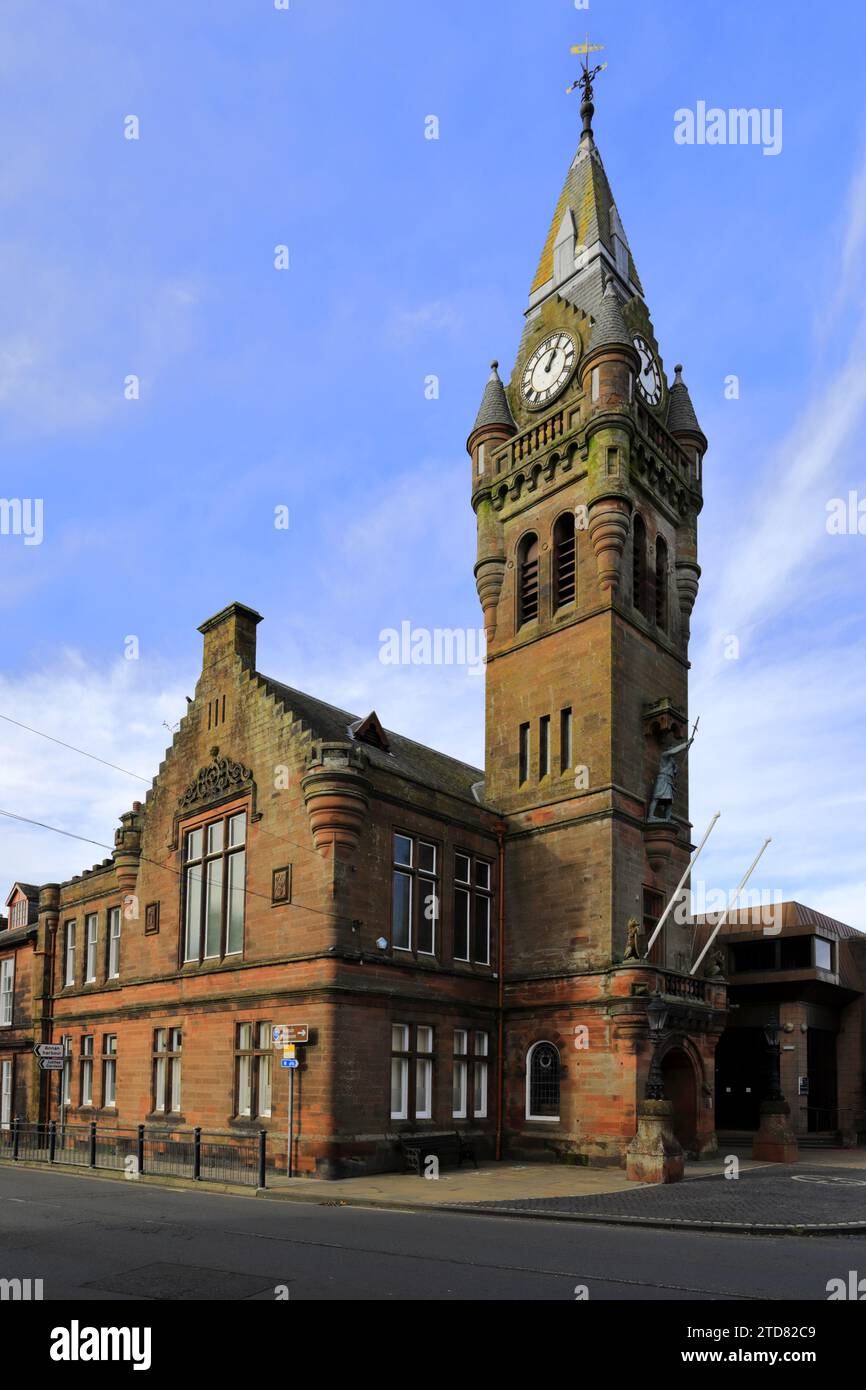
<point>305,388</point>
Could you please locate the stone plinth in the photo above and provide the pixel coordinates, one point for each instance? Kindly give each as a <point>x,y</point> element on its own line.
<point>654,1155</point>
<point>775,1141</point>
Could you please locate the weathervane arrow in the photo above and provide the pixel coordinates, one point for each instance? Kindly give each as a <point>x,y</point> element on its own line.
<point>588,76</point>
<point>585,81</point>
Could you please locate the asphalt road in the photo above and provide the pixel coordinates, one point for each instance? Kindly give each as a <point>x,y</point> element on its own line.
<point>88,1238</point>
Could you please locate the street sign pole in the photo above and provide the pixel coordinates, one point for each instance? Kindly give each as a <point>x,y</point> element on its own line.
<point>287,1036</point>
<point>290,1164</point>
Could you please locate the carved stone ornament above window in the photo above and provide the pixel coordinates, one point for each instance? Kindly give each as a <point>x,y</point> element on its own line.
<point>218,779</point>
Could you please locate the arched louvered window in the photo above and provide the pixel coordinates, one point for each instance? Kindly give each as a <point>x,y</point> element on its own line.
<point>563,560</point>
<point>638,560</point>
<point>527,580</point>
<point>542,1082</point>
<point>661,584</point>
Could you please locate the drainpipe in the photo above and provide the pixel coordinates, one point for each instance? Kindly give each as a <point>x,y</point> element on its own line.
<point>500,829</point>
<point>49,902</point>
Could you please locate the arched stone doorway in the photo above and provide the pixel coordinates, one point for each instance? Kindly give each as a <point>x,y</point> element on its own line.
<point>681,1089</point>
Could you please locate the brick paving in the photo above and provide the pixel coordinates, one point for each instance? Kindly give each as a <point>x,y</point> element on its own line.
<point>812,1197</point>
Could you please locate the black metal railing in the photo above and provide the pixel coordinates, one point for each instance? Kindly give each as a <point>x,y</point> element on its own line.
<point>826,1119</point>
<point>140,1151</point>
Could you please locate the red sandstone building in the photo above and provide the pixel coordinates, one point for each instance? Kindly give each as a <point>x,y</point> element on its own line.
<point>456,939</point>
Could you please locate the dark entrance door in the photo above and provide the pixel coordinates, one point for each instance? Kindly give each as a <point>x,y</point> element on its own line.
<point>821,1062</point>
<point>678,1075</point>
<point>741,1078</point>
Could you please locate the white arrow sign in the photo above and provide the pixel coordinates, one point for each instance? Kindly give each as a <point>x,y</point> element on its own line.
<point>48,1050</point>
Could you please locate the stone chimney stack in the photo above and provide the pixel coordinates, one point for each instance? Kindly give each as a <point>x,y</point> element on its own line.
<point>230,633</point>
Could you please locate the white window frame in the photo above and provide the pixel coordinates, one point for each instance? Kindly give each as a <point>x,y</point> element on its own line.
<point>69,955</point>
<point>109,1071</point>
<point>66,1074</point>
<point>541,1119</point>
<point>265,1065</point>
<point>6,1093</point>
<point>214,914</point>
<point>160,1068</point>
<point>91,947</point>
<point>114,919</point>
<point>245,1070</point>
<point>87,1059</point>
<point>400,1071</point>
<point>7,991</point>
<point>480,1070</point>
<point>460,1084</point>
<point>175,1061</point>
<point>424,1072</point>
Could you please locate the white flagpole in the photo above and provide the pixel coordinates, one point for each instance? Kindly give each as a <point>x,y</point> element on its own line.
<point>689,866</point>
<point>724,917</point>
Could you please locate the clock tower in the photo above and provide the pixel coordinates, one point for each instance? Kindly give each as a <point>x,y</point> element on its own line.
<point>586,485</point>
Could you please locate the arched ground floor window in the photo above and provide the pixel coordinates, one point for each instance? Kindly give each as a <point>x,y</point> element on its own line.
<point>542,1082</point>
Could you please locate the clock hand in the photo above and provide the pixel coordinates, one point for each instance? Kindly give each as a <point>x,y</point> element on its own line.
<point>550,362</point>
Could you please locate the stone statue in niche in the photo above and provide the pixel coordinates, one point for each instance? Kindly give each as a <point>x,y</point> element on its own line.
<point>665,785</point>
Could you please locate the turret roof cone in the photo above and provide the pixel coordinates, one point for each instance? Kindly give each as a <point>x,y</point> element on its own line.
<point>609,325</point>
<point>494,409</point>
<point>681,413</point>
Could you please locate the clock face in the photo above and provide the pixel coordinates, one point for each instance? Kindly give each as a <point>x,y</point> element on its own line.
<point>649,378</point>
<point>549,369</point>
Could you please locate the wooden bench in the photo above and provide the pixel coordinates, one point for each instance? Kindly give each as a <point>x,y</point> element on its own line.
<point>449,1148</point>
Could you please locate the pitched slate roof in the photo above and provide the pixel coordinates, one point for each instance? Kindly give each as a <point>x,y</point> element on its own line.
<point>609,325</point>
<point>494,408</point>
<point>681,413</point>
<point>404,757</point>
<point>586,193</point>
<point>30,890</point>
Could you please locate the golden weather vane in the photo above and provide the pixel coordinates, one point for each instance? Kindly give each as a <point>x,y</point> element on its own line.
<point>586,79</point>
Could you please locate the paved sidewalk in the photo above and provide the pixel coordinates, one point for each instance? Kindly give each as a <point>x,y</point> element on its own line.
<point>824,1192</point>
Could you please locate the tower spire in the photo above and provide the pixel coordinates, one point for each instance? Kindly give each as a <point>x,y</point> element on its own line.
<point>586,240</point>
<point>585,81</point>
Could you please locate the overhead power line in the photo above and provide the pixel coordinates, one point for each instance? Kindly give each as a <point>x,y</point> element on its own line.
<point>73,749</point>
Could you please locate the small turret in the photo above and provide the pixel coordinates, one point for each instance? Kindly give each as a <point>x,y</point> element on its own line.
<point>611,359</point>
<point>493,425</point>
<point>607,374</point>
<point>683,424</point>
<point>494,419</point>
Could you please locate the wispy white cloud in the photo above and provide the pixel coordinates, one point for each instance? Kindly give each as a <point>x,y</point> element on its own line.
<point>407,325</point>
<point>782,751</point>
<point>118,713</point>
<point>784,522</point>
<point>71,336</point>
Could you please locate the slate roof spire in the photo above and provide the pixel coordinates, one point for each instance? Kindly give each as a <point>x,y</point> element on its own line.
<point>494,409</point>
<point>586,240</point>
<point>681,413</point>
<point>609,328</point>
